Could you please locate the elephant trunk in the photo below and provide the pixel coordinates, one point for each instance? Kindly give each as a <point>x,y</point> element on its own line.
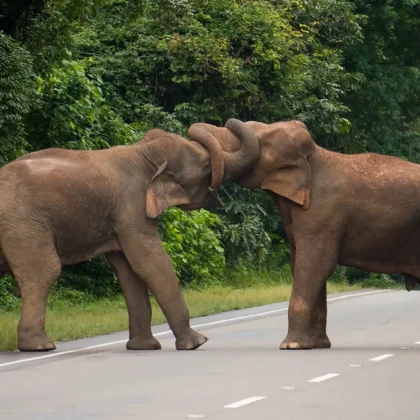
<point>237,163</point>
<point>206,139</point>
<point>240,145</point>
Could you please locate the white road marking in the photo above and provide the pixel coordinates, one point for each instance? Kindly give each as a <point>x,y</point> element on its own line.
<point>324,377</point>
<point>223,321</point>
<point>405,348</point>
<point>195,416</point>
<point>417,342</point>
<point>246,401</point>
<point>355,365</point>
<point>288,388</point>
<point>382,357</point>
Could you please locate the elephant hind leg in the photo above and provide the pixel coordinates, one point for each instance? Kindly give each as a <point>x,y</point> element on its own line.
<point>35,266</point>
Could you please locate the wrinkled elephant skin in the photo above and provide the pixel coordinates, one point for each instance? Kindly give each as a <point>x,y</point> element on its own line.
<point>358,210</point>
<point>61,207</point>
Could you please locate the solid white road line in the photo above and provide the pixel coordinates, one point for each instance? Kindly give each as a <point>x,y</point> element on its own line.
<point>382,357</point>
<point>324,377</point>
<point>246,401</point>
<point>223,321</point>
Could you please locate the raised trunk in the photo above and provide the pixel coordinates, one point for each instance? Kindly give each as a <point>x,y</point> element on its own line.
<point>207,140</point>
<point>237,163</point>
<point>240,145</point>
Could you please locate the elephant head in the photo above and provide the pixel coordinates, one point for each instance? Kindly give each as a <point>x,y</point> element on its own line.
<point>282,166</point>
<point>184,170</point>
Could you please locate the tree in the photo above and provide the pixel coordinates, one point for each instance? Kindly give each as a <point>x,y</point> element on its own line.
<point>385,110</point>
<point>17,93</point>
<point>16,15</point>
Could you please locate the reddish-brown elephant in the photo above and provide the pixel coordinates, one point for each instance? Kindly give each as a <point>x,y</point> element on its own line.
<point>61,207</point>
<point>359,210</point>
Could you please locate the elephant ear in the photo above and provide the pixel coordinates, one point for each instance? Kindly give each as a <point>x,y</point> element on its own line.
<point>163,192</point>
<point>293,181</point>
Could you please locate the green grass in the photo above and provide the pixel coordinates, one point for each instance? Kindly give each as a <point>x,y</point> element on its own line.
<point>72,315</point>
<point>77,320</point>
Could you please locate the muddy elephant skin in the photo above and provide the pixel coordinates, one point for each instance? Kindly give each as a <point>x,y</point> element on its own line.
<point>358,210</point>
<point>61,207</point>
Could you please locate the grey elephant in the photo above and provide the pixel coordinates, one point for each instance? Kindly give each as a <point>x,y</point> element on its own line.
<point>358,210</point>
<point>61,207</point>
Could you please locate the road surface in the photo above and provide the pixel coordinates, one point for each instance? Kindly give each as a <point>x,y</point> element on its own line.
<point>371,372</point>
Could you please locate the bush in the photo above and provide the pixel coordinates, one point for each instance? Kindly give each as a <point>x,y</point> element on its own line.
<point>7,298</point>
<point>17,92</point>
<point>94,277</point>
<point>193,245</point>
<point>73,114</point>
<point>250,224</point>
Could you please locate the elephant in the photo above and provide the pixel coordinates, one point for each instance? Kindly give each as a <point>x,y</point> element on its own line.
<point>61,207</point>
<point>358,210</point>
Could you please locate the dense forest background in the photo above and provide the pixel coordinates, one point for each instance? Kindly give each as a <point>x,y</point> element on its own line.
<point>90,74</point>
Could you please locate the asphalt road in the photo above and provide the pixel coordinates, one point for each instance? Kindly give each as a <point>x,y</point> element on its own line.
<point>371,372</point>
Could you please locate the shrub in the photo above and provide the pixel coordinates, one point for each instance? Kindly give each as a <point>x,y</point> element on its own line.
<point>17,92</point>
<point>193,245</point>
<point>7,298</point>
<point>73,114</point>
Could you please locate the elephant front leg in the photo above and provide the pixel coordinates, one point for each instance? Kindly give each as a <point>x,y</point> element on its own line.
<point>149,260</point>
<point>138,304</point>
<point>307,308</point>
<point>318,328</point>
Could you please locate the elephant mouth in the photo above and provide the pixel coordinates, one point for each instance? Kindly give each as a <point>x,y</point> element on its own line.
<point>210,201</point>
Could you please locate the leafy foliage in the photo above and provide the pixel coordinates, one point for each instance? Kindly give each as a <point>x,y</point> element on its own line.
<point>249,225</point>
<point>94,73</point>
<point>216,59</point>
<point>193,245</point>
<point>17,94</point>
<point>92,277</point>
<point>8,299</point>
<point>386,107</point>
<point>73,114</point>
<point>15,14</point>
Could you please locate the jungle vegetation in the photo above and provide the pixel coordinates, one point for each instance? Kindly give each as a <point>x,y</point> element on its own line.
<point>90,74</point>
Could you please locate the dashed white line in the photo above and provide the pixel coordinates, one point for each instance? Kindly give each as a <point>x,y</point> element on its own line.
<point>324,377</point>
<point>355,365</point>
<point>223,321</point>
<point>195,416</point>
<point>246,401</point>
<point>288,388</point>
<point>382,357</point>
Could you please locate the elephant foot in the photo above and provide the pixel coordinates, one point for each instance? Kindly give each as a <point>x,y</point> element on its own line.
<point>191,341</point>
<point>38,343</point>
<point>139,342</point>
<point>321,342</point>
<point>297,343</point>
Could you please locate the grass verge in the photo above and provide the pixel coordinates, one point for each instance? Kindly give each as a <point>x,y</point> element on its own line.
<point>69,320</point>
